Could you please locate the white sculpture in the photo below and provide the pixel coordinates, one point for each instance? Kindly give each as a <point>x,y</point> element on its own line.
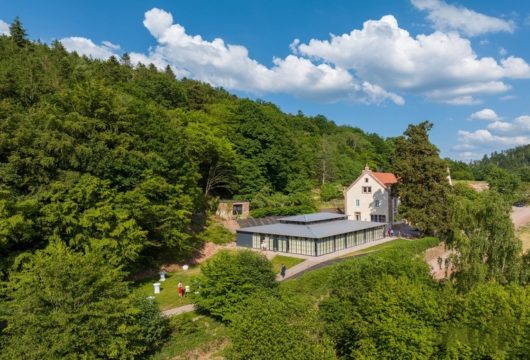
<point>185,267</point>
<point>162,276</point>
<point>157,288</point>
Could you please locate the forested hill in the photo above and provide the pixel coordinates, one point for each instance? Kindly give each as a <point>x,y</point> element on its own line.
<point>516,160</point>
<point>116,157</point>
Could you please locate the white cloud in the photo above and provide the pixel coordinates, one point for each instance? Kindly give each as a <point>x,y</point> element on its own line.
<point>374,64</point>
<point>446,17</point>
<point>4,28</point>
<point>485,114</point>
<point>497,135</point>
<point>441,66</point>
<point>110,45</point>
<point>231,66</point>
<point>84,46</point>
<point>508,97</point>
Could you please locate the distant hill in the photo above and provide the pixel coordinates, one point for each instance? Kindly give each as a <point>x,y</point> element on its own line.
<point>516,160</point>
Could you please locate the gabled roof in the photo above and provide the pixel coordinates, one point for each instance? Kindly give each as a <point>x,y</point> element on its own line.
<point>385,178</point>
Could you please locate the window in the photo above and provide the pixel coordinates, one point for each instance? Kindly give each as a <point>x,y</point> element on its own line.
<point>367,189</point>
<point>377,203</point>
<point>357,216</point>
<point>237,209</point>
<point>378,218</point>
<point>366,180</point>
<point>357,202</point>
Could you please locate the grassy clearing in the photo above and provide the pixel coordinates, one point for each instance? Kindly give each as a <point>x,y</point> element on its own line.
<point>385,246</point>
<point>523,233</point>
<point>288,261</point>
<point>168,297</point>
<point>193,337</point>
<point>331,204</point>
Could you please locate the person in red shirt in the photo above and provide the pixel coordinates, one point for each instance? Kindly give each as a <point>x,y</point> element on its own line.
<point>181,289</point>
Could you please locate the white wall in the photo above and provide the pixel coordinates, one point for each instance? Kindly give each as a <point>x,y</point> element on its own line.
<point>366,201</point>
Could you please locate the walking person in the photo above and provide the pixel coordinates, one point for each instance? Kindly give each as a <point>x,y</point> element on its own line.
<point>186,290</point>
<point>181,289</point>
<point>283,269</point>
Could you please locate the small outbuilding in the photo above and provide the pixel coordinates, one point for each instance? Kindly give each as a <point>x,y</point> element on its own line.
<point>312,234</point>
<point>233,209</point>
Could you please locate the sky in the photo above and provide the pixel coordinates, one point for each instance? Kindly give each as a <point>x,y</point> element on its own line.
<point>379,66</point>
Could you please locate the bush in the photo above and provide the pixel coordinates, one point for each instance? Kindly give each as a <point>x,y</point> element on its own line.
<point>330,191</point>
<point>229,278</point>
<point>217,234</point>
<point>397,314</point>
<point>154,327</point>
<point>277,328</point>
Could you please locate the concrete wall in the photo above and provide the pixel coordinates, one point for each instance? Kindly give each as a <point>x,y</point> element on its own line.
<point>366,201</point>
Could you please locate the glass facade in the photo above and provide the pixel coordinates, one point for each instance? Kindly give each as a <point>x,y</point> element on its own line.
<point>308,246</point>
<point>325,246</point>
<point>340,242</point>
<point>301,246</point>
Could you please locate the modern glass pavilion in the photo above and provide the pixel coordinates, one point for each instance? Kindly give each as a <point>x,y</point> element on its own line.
<point>312,234</point>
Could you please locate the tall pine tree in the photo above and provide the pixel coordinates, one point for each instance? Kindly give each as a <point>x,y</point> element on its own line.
<point>18,33</point>
<point>423,187</point>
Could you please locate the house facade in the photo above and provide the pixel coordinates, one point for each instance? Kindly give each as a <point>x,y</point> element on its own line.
<point>371,197</point>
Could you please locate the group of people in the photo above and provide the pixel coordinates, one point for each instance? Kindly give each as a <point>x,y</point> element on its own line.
<point>391,232</point>
<point>183,290</point>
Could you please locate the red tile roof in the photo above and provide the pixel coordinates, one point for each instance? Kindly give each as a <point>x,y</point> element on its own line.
<point>385,178</point>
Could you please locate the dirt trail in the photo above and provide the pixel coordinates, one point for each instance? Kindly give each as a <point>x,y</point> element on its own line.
<point>520,216</point>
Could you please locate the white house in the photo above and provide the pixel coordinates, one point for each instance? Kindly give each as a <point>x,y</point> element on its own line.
<point>371,198</point>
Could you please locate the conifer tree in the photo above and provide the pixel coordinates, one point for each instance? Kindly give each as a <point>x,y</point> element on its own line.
<point>423,187</point>
<point>18,33</point>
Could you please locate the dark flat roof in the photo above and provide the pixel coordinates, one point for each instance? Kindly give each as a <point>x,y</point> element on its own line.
<point>315,217</point>
<point>315,231</point>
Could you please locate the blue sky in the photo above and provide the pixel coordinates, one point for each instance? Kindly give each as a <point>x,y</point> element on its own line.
<point>462,65</point>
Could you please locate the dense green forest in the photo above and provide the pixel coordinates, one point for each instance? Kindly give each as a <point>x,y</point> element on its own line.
<point>118,158</point>
<point>515,161</point>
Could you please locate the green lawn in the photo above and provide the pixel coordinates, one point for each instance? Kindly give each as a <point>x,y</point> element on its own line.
<point>193,337</point>
<point>387,245</point>
<point>289,262</point>
<point>168,297</point>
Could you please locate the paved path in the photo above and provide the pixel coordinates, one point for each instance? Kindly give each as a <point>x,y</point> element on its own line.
<point>178,310</point>
<point>311,263</point>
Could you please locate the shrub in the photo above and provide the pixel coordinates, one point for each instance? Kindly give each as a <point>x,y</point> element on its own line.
<point>269,327</point>
<point>330,191</point>
<point>229,278</point>
<point>217,234</point>
<point>154,327</point>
